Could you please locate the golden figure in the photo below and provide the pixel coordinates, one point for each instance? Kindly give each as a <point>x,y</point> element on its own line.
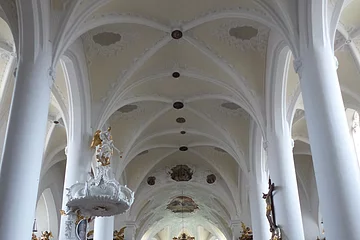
<point>246,232</point>
<point>119,235</point>
<point>96,139</point>
<point>34,237</point>
<point>46,235</point>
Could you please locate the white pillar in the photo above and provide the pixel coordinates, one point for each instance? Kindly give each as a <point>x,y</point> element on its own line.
<point>286,196</point>
<point>24,146</point>
<point>258,183</point>
<point>130,231</point>
<point>104,228</point>
<point>260,225</point>
<point>77,167</point>
<point>334,159</point>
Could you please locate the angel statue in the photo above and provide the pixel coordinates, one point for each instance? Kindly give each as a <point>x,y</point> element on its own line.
<point>104,145</point>
<point>46,235</point>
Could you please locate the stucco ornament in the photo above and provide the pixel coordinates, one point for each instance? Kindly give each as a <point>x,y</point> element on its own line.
<point>234,33</point>
<point>101,195</point>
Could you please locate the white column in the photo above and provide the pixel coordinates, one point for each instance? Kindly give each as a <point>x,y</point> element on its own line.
<point>130,231</point>
<point>258,183</point>
<point>260,225</point>
<point>334,159</point>
<point>104,228</point>
<point>24,146</point>
<point>286,196</point>
<point>77,167</point>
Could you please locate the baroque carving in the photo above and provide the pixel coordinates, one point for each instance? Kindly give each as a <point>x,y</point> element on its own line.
<point>181,173</point>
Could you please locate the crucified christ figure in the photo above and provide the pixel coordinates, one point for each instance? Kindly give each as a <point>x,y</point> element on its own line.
<point>268,199</point>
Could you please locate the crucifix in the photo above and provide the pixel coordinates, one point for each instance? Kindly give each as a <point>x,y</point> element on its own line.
<point>270,213</point>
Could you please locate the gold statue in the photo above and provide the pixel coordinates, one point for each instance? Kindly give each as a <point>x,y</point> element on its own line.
<point>46,235</point>
<point>246,232</point>
<point>119,235</point>
<point>34,237</point>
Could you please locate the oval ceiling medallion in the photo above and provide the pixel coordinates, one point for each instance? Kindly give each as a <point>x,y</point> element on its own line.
<point>106,38</point>
<point>175,74</point>
<point>128,108</point>
<point>178,105</point>
<point>176,34</point>
<point>243,33</point>
<point>180,120</point>
<point>230,105</point>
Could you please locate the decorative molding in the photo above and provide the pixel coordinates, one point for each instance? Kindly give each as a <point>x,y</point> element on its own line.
<point>238,12</point>
<point>257,43</point>
<point>129,116</point>
<point>239,112</point>
<point>94,49</point>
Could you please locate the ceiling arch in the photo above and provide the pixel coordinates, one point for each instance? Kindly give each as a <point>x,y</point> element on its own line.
<point>152,214</point>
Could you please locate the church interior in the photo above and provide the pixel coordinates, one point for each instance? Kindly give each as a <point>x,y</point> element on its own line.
<point>179,120</point>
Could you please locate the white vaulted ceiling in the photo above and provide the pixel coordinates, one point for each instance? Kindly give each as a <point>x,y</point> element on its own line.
<point>131,59</point>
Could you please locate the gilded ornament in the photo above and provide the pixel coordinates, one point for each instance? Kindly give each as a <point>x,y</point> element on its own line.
<point>46,235</point>
<point>119,235</point>
<point>90,233</point>
<point>246,232</point>
<point>34,237</point>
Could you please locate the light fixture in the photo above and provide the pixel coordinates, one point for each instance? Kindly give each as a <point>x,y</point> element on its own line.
<point>34,226</point>
<point>183,236</point>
